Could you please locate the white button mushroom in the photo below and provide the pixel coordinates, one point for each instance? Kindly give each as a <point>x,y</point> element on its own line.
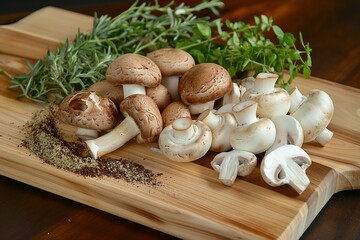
<point>288,131</point>
<point>286,165</point>
<point>134,72</point>
<point>221,126</point>
<point>142,120</point>
<point>89,112</point>
<point>252,134</point>
<point>231,164</point>
<point>185,140</point>
<point>314,113</point>
<point>204,83</point>
<point>271,101</point>
<point>173,63</point>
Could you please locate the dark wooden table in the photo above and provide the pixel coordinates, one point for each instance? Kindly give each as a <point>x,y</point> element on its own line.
<point>333,30</point>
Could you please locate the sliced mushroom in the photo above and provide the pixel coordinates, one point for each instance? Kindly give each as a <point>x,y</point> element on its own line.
<point>221,126</point>
<point>271,101</point>
<point>286,165</point>
<point>142,120</point>
<point>204,83</point>
<point>173,63</point>
<point>231,164</point>
<point>288,131</point>
<point>174,111</point>
<point>252,134</point>
<point>134,72</point>
<point>314,114</point>
<point>89,112</point>
<point>185,140</point>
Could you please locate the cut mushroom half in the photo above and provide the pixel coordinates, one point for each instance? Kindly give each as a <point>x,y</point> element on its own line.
<point>142,120</point>
<point>231,164</point>
<point>185,140</point>
<point>286,165</point>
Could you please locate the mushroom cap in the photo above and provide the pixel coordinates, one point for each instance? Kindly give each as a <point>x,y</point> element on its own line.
<point>86,109</point>
<point>132,68</point>
<point>160,95</point>
<point>105,88</point>
<point>172,61</point>
<point>314,114</point>
<point>146,115</point>
<point>203,83</point>
<point>174,111</point>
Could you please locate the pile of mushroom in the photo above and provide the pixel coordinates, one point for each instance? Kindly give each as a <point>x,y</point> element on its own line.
<point>190,109</point>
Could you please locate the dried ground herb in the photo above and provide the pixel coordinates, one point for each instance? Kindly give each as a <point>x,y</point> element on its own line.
<point>42,138</point>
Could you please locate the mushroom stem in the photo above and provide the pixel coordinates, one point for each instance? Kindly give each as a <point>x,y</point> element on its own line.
<point>265,83</point>
<point>210,119</point>
<point>228,170</point>
<point>199,108</point>
<point>324,137</point>
<point>296,176</point>
<point>245,112</point>
<point>172,85</point>
<point>86,134</point>
<point>114,139</point>
<point>131,89</point>
<point>183,129</point>
<point>296,99</point>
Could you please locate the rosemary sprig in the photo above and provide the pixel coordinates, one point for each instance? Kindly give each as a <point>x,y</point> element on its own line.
<point>239,47</point>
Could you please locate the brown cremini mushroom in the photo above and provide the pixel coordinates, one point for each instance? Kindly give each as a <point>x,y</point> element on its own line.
<point>89,112</point>
<point>142,120</point>
<point>105,88</point>
<point>160,95</point>
<point>173,63</point>
<point>174,111</point>
<point>204,83</point>
<point>134,72</point>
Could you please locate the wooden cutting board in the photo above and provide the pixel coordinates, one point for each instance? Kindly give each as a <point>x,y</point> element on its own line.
<point>191,203</point>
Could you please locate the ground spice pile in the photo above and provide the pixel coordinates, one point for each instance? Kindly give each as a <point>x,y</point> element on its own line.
<point>42,138</point>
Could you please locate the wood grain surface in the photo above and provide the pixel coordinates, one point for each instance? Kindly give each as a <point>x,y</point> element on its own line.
<point>171,210</point>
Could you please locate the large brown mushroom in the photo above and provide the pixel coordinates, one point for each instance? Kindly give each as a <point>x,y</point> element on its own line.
<point>142,120</point>
<point>173,63</point>
<point>89,112</point>
<point>134,72</point>
<point>204,83</point>
<point>174,111</point>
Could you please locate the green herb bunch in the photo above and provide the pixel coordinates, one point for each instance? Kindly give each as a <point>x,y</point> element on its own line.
<point>142,28</point>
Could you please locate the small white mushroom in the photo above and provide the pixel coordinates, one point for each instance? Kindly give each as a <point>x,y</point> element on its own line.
<point>233,96</point>
<point>288,131</point>
<point>314,114</point>
<point>221,126</point>
<point>286,165</point>
<point>271,101</point>
<point>185,140</point>
<point>231,164</point>
<point>252,134</point>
